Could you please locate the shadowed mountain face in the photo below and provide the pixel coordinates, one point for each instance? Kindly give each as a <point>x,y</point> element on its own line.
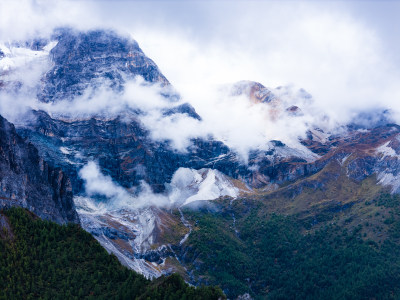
<point>122,148</point>
<point>126,152</point>
<point>27,180</point>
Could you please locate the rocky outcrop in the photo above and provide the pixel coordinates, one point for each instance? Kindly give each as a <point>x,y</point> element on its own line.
<point>28,181</point>
<point>256,92</point>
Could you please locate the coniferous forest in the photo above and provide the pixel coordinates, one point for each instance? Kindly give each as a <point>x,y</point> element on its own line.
<point>43,260</point>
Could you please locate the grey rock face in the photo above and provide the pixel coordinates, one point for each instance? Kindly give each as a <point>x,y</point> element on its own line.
<point>90,59</point>
<point>27,180</point>
<point>125,151</point>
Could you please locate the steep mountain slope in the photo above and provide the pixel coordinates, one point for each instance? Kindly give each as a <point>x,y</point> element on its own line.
<point>123,149</point>
<point>27,180</point>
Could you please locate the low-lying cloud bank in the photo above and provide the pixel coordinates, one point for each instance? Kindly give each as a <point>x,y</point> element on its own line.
<point>97,184</point>
<point>186,186</point>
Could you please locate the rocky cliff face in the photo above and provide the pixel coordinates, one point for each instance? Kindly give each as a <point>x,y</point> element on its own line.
<point>27,180</point>
<point>126,152</point>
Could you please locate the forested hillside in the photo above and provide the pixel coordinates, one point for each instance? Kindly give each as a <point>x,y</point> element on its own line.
<point>344,252</point>
<point>43,260</point>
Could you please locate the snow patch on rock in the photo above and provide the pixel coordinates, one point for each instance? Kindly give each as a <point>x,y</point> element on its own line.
<point>386,150</point>
<point>299,151</point>
<point>189,185</point>
<point>388,166</point>
<point>16,56</point>
<point>125,222</point>
<point>389,179</point>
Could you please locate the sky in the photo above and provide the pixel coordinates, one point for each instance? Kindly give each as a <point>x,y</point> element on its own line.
<point>344,53</point>
<point>340,51</point>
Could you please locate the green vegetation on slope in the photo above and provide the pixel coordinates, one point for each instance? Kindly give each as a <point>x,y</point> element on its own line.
<point>40,259</point>
<point>276,257</point>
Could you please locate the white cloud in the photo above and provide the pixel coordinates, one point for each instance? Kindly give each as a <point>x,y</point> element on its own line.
<point>338,59</point>
<point>231,119</point>
<point>97,184</point>
<point>234,120</point>
<point>103,101</point>
<point>186,186</point>
<point>324,48</point>
<point>27,19</point>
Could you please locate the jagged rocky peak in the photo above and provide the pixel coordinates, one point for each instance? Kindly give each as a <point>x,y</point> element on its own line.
<point>256,92</point>
<point>184,108</point>
<point>95,58</point>
<point>280,99</point>
<point>294,110</point>
<point>26,180</point>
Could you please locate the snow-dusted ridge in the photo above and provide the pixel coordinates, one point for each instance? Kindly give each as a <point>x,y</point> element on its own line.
<point>299,151</point>
<point>189,185</point>
<point>388,156</point>
<point>386,150</point>
<point>16,56</point>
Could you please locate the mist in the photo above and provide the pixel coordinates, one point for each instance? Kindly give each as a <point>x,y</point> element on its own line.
<point>116,197</point>
<point>186,186</point>
<point>339,57</point>
<point>234,119</point>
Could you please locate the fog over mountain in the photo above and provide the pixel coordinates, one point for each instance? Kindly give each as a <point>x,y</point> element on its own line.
<point>330,50</point>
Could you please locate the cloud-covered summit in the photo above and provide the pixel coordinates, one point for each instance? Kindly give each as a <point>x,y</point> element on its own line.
<point>338,57</point>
